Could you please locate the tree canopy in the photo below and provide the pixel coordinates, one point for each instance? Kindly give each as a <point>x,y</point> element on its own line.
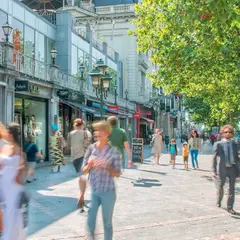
<point>196,46</point>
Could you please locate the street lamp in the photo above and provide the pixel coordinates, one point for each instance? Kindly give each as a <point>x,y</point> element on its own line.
<point>101,81</point>
<point>82,70</point>
<point>126,95</point>
<point>115,95</point>
<point>53,55</point>
<point>7,29</point>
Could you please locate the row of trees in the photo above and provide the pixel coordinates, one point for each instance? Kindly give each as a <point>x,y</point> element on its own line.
<point>196,45</point>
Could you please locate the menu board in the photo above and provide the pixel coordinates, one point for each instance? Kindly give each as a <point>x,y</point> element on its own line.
<point>137,150</point>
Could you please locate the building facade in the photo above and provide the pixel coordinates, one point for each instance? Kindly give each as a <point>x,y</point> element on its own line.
<point>37,90</point>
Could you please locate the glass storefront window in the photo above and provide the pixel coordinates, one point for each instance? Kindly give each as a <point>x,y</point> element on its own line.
<point>29,42</point>
<point>36,122</point>
<point>3,20</point>
<point>17,35</point>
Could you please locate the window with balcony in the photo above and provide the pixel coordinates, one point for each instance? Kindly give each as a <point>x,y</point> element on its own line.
<point>74,60</point>
<point>143,79</point>
<point>3,20</point>
<point>17,35</point>
<point>29,42</point>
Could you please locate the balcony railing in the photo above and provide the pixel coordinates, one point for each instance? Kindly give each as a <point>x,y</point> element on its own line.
<point>126,8</point>
<point>1,54</point>
<point>34,68</point>
<point>30,66</point>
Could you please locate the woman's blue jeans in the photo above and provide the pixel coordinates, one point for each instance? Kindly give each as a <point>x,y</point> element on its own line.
<point>107,200</point>
<point>194,156</point>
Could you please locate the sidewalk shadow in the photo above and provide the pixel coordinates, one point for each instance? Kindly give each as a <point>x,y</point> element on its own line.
<point>149,171</point>
<point>48,210</point>
<point>208,178</point>
<point>147,183</point>
<point>45,207</point>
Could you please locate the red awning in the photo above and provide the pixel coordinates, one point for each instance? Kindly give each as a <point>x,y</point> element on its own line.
<point>150,121</point>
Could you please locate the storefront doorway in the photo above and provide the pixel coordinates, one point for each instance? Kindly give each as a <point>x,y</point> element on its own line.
<point>31,114</point>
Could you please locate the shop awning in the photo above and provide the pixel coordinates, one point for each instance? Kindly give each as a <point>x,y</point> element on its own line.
<point>105,108</point>
<point>150,121</point>
<point>78,105</point>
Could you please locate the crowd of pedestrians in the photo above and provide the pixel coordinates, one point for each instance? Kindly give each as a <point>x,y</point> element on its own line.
<point>101,157</point>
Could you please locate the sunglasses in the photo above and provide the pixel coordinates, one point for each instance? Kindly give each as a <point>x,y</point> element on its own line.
<point>228,132</point>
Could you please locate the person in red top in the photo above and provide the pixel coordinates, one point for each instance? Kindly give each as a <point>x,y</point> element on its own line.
<point>213,138</point>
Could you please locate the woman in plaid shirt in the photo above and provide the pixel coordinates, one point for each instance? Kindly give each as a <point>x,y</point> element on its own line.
<point>103,163</point>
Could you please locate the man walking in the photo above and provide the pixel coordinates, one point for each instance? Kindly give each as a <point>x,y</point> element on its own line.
<point>119,140</point>
<point>228,152</point>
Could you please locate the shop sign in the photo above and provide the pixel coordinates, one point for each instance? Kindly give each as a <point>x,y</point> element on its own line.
<point>25,86</point>
<point>70,95</point>
<point>34,89</point>
<point>149,113</point>
<point>136,115</point>
<point>21,86</point>
<point>115,108</point>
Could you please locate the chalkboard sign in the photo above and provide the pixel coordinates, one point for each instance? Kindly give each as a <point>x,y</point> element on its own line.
<point>137,150</point>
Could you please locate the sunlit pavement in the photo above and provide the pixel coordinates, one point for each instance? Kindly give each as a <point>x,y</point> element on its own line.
<point>154,202</point>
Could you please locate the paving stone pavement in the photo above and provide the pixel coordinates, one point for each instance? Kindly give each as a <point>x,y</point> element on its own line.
<point>154,202</point>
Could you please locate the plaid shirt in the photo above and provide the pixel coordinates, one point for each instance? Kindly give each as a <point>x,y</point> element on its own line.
<point>100,179</point>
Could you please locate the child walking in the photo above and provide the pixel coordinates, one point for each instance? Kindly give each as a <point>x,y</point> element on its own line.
<point>173,151</point>
<point>185,153</point>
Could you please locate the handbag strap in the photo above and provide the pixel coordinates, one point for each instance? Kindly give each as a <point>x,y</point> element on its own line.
<point>30,145</point>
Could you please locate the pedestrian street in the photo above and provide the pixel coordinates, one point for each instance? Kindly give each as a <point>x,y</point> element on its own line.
<point>154,202</point>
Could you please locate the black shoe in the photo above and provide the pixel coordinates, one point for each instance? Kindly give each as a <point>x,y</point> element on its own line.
<point>218,205</point>
<point>27,181</point>
<point>232,212</point>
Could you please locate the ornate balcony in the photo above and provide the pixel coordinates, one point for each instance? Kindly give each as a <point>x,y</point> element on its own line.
<point>116,9</point>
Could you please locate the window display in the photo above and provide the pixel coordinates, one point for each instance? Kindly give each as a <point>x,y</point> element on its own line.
<point>32,116</point>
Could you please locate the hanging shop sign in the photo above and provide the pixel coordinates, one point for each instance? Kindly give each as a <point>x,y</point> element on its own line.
<point>115,108</point>
<point>70,95</point>
<point>136,115</point>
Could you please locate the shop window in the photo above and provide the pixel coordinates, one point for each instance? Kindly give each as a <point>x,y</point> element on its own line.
<point>32,117</point>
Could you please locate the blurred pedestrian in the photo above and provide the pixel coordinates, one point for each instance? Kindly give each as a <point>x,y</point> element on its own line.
<point>173,152</point>
<point>103,163</point>
<point>227,167</point>
<point>13,164</point>
<point>185,153</point>
<point>32,153</point>
<point>213,138</point>
<point>166,140</point>
<point>118,139</point>
<point>157,145</point>
<point>56,148</point>
<point>78,141</point>
<point>3,142</point>
<point>195,147</point>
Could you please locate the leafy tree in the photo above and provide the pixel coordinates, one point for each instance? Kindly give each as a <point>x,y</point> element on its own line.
<point>196,45</point>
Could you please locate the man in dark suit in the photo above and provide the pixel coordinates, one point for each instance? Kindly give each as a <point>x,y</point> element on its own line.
<point>228,165</point>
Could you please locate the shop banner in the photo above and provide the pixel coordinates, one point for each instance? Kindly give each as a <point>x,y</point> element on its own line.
<point>115,108</point>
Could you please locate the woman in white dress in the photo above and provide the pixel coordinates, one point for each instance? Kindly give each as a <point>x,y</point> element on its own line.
<point>157,145</point>
<point>12,163</point>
